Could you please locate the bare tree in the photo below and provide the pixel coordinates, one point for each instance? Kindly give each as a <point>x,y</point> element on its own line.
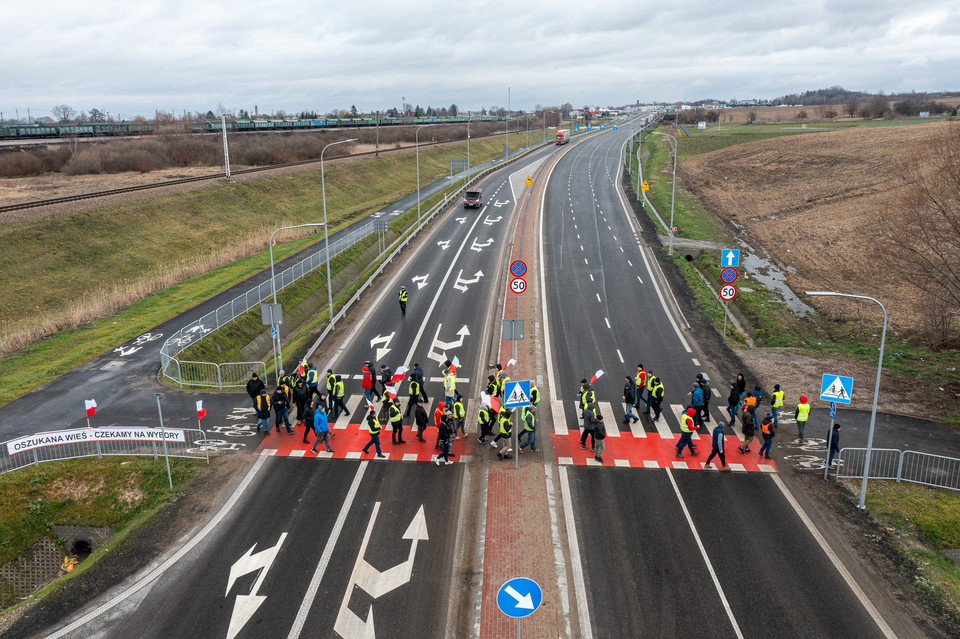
<point>879,105</point>
<point>63,112</point>
<point>751,116</point>
<point>96,115</point>
<point>851,108</point>
<point>802,114</point>
<point>921,234</point>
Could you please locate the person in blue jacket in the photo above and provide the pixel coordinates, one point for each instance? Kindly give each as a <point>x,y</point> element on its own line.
<point>718,442</point>
<point>696,400</point>
<point>321,426</point>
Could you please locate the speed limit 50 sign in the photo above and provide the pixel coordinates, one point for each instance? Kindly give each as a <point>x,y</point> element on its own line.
<point>518,285</point>
<point>728,292</point>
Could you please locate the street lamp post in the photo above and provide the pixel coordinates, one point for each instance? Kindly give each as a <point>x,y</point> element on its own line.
<point>417,141</point>
<point>277,347</point>
<point>673,189</point>
<point>876,387</point>
<point>326,230</point>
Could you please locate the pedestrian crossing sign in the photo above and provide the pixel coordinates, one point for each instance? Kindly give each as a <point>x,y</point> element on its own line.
<point>834,388</point>
<point>517,394</point>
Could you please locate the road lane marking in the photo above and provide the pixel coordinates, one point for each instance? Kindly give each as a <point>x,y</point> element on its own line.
<point>607,320</point>
<point>559,418</point>
<point>314,586</point>
<point>606,409</point>
<point>162,568</point>
<point>558,559</point>
<point>620,355</point>
<point>835,560</point>
<point>706,558</point>
<point>573,547</point>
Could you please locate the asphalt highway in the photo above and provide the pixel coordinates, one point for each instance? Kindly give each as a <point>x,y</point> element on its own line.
<point>361,547</point>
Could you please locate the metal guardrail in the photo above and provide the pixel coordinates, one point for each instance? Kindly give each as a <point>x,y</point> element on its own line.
<point>889,463</point>
<point>174,370</point>
<point>237,373</point>
<point>34,450</point>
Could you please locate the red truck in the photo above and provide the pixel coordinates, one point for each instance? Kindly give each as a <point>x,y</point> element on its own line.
<point>563,136</point>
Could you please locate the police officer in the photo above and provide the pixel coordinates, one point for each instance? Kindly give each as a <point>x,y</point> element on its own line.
<point>403,301</point>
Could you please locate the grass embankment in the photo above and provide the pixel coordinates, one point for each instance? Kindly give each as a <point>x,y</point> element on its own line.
<point>93,280</point>
<point>118,493</point>
<point>774,324</point>
<point>923,521</point>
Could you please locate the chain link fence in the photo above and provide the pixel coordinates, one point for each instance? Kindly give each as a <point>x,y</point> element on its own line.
<point>101,442</point>
<point>889,463</point>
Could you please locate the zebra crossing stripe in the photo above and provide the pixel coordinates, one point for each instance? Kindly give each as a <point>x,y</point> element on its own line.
<point>606,409</point>
<point>559,418</point>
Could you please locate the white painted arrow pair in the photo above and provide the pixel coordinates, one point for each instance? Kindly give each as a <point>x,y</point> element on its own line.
<point>376,583</point>
<point>246,605</point>
<point>461,284</point>
<point>385,340</point>
<point>441,355</point>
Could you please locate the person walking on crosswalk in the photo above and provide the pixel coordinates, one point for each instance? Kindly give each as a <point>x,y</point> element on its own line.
<point>768,431</point>
<point>396,422</point>
<point>528,418</point>
<point>749,428</point>
<point>459,418</point>
<point>506,431</point>
<point>656,397</point>
<point>629,399</point>
<point>687,427</point>
<point>413,390</point>
<point>373,427</point>
<point>717,450</point>
<point>640,386</point>
<point>485,423</point>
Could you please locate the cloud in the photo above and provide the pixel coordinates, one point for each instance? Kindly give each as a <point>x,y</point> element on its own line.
<point>174,55</point>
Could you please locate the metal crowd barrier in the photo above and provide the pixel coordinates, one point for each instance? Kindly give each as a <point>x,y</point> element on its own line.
<point>101,442</point>
<point>889,463</point>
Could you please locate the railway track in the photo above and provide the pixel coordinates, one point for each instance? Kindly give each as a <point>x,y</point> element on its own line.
<point>213,176</point>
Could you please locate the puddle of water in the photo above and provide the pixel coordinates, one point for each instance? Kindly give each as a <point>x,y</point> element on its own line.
<point>762,269</point>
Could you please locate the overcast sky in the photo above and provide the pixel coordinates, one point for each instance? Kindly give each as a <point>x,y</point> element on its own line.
<point>135,57</point>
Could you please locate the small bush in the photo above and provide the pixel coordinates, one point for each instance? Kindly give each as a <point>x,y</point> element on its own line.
<point>20,164</point>
<point>86,162</point>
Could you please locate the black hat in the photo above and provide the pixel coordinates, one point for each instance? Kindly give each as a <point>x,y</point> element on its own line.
<point>382,366</point>
<point>583,381</point>
<point>836,427</point>
<point>329,370</point>
<point>254,375</point>
<point>776,387</point>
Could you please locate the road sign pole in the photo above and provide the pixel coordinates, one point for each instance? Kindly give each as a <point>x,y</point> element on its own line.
<point>826,465</point>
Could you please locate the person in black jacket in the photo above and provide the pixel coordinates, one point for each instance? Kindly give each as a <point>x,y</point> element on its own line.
<point>834,444</point>
<point>300,396</point>
<point>420,417</point>
<point>733,399</point>
<point>306,416</point>
<point>445,434</point>
<point>254,386</point>
<point>281,406</point>
<point>630,398</point>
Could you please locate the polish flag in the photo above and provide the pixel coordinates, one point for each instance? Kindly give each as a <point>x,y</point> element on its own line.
<point>399,375</point>
<point>91,406</point>
<point>391,391</point>
<point>485,399</point>
<point>596,376</point>
<point>370,405</point>
<point>511,363</point>
<point>201,411</point>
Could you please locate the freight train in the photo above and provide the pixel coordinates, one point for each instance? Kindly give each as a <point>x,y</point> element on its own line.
<point>108,129</point>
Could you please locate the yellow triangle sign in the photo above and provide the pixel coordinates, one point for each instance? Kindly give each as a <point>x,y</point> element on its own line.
<point>528,181</point>
<point>644,186</point>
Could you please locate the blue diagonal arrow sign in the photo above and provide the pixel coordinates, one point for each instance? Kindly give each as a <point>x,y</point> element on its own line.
<point>519,597</point>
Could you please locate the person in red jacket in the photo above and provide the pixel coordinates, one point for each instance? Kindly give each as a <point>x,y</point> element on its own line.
<point>437,416</point>
<point>367,383</point>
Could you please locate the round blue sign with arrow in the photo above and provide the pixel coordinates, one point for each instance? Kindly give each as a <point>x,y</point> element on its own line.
<point>519,597</point>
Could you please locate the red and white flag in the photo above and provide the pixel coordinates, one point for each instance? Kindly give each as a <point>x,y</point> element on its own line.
<point>511,363</point>
<point>596,376</point>
<point>484,399</point>
<point>91,406</point>
<point>201,411</point>
<point>399,375</point>
<point>391,391</point>
<point>370,405</point>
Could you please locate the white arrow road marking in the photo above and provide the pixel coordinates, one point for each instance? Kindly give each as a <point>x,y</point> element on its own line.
<point>498,203</point>
<point>385,340</point>
<point>421,281</point>
<point>489,221</point>
<point>444,244</point>
<point>397,212</point>
<point>374,582</point>
<point>379,214</point>
<point>461,219</point>
<point>445,346</point>
<point>130,350</point>
<point>246,605</point>
<point>477,246</point>
<point>523,601</point>
<point>461,284</point>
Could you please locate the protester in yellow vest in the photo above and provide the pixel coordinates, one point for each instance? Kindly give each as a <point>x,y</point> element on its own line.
<point>802,414</point>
